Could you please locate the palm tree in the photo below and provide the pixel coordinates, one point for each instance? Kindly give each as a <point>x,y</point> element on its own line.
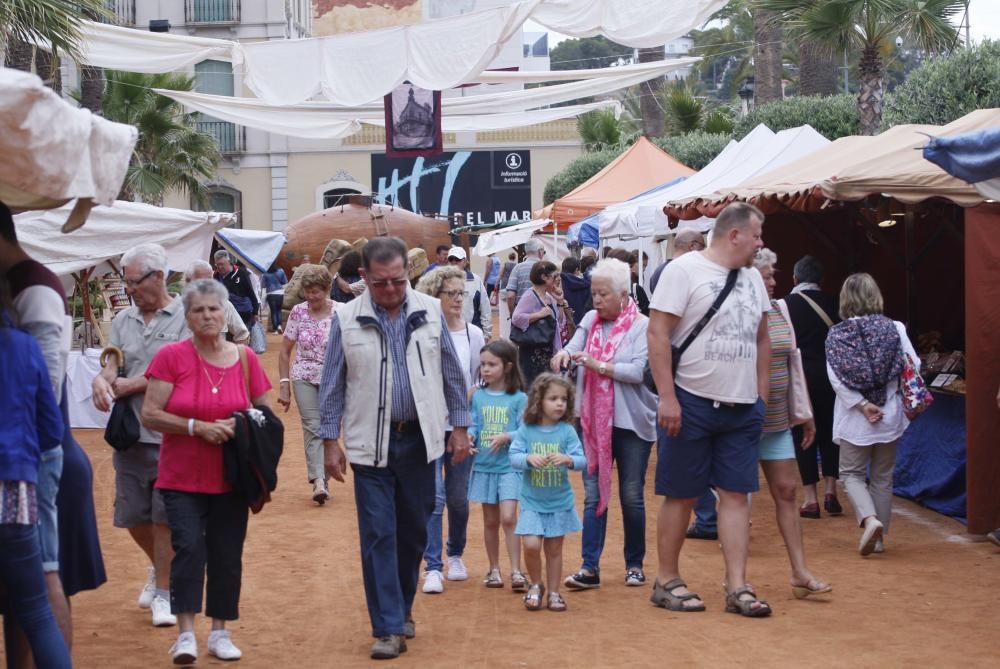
<point>869,26</point>
<point>54,21</point>
<point>652,113</point>
<point>171,153</point>
<point>817,70</point>
<point>768,38</point>
<point>727,48</point>
<point>600,130</point>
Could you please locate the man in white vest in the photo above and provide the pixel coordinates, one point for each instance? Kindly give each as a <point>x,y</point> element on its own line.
<point>391,381</point>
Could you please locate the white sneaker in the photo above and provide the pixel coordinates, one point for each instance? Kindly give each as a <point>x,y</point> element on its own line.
<point>433,583</point>
<point>320,491</point>
<point>161,613</point>
<point>221,646</point>
<point>185,649</point>
<point>871,535</point>
<point>148,590</point>
<point>879,546</point>
<point>456,569</point>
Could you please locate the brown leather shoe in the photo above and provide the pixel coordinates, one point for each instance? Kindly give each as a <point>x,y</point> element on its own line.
<point>388,647</point>
<point>832,505</point>
<point>809,511</point>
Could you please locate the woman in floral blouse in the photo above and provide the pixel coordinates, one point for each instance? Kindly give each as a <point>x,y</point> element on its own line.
<point>307,332</point>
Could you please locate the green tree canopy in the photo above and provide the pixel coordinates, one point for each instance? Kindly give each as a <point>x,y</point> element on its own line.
<point>587,53</point>
<point>833,117</point>
<point>694,149</point>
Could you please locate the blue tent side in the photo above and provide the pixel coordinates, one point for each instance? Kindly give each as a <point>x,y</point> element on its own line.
<point>972,157</point>
<point>588,230</point>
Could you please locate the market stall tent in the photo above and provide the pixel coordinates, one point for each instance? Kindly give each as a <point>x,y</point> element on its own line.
<point>849,187</point>
<point>973,158</point>
<point>643,166</point>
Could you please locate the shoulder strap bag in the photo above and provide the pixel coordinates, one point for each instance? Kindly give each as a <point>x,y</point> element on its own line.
<point>540,333</point>
<point>818,309</point>
<point>799,405</point>
<point>677,351</point>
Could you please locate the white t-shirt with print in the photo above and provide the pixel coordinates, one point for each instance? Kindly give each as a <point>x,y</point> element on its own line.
<point>721,362</point>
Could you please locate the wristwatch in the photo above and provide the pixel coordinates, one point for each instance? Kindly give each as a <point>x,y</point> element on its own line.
<point>602,368</point>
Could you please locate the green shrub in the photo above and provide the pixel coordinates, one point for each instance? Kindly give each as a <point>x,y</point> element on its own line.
<point>576,172</point>
<point>833,117</point>
<point>694,149</point>
<point>947,88</point>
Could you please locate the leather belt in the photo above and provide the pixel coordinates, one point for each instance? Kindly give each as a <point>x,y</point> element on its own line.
<point>405,426</point>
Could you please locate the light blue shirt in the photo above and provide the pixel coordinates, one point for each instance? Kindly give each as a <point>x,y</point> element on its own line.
<point>547,489</point>
<point>494,413</point>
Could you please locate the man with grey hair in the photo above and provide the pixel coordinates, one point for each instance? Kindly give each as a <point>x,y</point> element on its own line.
<point>519,280</point>
<point>154,320</point>
<point>237,281</point>
<point>199,269</point>
<point>685,241</point>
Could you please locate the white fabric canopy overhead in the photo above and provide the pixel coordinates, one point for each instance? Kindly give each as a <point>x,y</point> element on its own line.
<point>258,248</point>
<point>505,238</point>
<point>358,68</point>
<point>635,23</point>
<point>111,231</point>
<point>54,152</point>
<point>312,121</point>
<point>760,151</point>
<point>119,48</point>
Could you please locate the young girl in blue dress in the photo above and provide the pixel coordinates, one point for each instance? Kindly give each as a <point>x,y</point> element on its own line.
<point>497,408</point>
<point>545,448</point>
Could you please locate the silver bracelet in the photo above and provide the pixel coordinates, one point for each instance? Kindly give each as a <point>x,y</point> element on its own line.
<point>190,427</point>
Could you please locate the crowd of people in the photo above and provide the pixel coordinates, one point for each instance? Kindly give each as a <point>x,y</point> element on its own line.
<point>407,386</point>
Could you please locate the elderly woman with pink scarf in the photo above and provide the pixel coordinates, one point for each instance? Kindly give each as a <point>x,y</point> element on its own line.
<point>618,416</point>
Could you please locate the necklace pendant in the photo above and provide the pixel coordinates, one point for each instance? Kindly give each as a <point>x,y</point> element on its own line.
<point>215,391</point>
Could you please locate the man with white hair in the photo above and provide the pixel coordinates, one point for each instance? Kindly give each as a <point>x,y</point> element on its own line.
<point>199,269</point>
<point>685,241</point>
<point>154,320</point>
<point>519,281</point>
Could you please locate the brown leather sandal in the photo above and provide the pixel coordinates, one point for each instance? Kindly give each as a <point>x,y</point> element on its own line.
<point>745,607</point>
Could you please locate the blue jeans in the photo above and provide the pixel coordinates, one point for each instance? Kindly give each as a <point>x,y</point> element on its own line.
<point>705,515</point>
<point>393,505</point>
<point>28,601</point>
<point>274,310</point>
<point>632,455</point>
<point>49,474</point>
<point>451,488</point>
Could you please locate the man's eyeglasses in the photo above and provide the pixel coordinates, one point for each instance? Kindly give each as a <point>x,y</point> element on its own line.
<point>455,261</point>
<point>135,284</point>
<point>383,283</point>
<point>452,294</point>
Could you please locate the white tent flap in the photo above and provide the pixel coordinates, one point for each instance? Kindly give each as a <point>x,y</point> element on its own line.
<point>636,23</point>
<point>258,248</point>
<point>55,152</point>
<point>111,231</point>
<point>119,48</point>
<point>504,238</point>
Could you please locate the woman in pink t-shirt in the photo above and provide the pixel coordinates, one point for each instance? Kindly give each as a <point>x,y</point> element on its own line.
<point>194,388</point>
<point>306,334</point>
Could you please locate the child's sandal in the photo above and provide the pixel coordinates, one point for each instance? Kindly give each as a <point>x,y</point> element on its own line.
<point>556,602</point>
<point>518,581</point>
<point>493,579</point>
<point>533,598</point>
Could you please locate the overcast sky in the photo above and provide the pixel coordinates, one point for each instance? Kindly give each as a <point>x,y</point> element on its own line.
<point>985,23</point>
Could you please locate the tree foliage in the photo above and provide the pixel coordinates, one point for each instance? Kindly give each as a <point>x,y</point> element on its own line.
<point>54,21</point>
<point>577,172</point>
<point>600,130</point>
<point>171,153</point>
<point>834,116</point>
<point>947,88</point>
<point>694,149</point>
<point>587,53</point>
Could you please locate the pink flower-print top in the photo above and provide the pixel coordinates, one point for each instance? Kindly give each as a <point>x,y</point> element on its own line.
<point>311,336</point>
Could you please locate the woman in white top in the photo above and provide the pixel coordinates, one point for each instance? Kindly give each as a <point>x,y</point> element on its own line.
<point>865,355</point>
<point>447,283</point>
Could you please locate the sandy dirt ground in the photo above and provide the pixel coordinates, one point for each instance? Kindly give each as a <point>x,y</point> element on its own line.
<point>930,600</point>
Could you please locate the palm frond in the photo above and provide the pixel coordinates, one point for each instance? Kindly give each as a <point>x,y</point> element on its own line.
<point>56,22</point>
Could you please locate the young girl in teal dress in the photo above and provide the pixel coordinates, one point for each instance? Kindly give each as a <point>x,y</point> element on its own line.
<point>496,413</point>
<point>545,448</point>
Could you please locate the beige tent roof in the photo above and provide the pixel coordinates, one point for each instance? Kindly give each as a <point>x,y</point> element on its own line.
<point>642,167</point>
<point>853,168</point>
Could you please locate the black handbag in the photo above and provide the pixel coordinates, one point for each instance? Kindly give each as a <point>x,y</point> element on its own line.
<point>677,351</point>
<point>540,333</point>
<point>122,430</point>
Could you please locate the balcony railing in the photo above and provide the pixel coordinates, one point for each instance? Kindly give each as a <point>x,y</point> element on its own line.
<point>231,138</point>
<point>212,11</point>
<point>124,11</point>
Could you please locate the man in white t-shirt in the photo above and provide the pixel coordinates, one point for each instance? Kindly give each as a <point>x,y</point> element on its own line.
<point>711,414</point>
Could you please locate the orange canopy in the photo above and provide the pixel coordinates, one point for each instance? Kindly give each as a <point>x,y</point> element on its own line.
<point>642,167</point>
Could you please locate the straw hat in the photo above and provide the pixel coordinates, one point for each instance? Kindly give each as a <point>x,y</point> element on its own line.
<point>417,260</point>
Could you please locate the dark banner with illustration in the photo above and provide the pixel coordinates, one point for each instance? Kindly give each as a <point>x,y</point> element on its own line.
<point>485,187</point>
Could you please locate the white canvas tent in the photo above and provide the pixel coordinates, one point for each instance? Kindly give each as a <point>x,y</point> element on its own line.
<point>257,249</point>
<point>504,238</point>
<point>55,153</point>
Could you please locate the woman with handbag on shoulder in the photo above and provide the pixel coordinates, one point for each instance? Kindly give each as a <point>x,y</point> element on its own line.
<point>195,387</point>
<point>866,354</point>
<point>777,451</point>
<point>537,321</point>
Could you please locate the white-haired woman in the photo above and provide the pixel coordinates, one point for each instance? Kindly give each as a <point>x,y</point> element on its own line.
<point>618,418</point>
<point>447,283</point>
<point>776,449</point>
<point>194,388</point>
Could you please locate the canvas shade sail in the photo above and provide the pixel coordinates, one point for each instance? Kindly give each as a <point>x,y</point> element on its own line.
<point>315,121</point>
<point>357,68</point>
<point>641,167</point>
<point>505,238</point>
<point>852,168</point>
<point>257,248</point>
<point>111,231</point>
<point>973,157</point>
<point>55,152</point>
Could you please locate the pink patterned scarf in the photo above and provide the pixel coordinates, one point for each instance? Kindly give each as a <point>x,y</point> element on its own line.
<point>597,408</point>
